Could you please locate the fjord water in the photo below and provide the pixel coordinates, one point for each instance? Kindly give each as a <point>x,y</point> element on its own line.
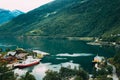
<point>62,52</point>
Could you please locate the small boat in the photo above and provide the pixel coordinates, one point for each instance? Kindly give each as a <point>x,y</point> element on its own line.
<point>27,63</point>
<point>40,54</point>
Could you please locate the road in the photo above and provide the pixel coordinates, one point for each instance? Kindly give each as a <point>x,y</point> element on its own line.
<point>114,75</point>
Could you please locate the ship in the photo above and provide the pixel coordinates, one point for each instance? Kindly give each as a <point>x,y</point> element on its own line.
<point>27,63</point>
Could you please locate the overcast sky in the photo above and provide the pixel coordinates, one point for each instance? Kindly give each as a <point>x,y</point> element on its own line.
<point>23,5</point>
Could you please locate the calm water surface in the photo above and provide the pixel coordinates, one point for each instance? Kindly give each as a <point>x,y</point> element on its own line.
<point>62,53</point>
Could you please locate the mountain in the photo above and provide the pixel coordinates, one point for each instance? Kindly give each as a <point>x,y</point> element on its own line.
<point>16,13</point>
<point>6,15</point>
<point>63,18</point>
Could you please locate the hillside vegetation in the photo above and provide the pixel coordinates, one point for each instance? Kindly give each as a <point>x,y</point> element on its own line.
<point>63,18</point>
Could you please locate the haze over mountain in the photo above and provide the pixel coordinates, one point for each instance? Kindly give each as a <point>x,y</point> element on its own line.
<point>6,15</point>
<point>63,18</point>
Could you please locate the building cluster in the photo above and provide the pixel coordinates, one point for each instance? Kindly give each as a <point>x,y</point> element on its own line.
<point>14,56</point>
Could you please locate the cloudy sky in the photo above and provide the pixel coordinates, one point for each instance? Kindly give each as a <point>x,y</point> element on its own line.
<point>23,5</point>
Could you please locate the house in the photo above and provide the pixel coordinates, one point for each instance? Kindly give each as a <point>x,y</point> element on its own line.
<point>20,50</point>
<point>98,59</point>
<point>11,53</point>
<point>21,56</point>
<point>10,57</point>
<point>14,54</point>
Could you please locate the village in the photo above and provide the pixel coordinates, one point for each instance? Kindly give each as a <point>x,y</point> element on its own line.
<point>101,66</point>
<point>21,58</point>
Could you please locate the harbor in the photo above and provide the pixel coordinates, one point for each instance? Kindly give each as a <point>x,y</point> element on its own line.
<point>56,52</point>
<point>21,58</point>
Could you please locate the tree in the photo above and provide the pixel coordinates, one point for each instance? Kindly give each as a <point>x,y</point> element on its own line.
<point>52,75</point>
<point>66,73</point>
<point>5,73</point>
<point>78,78</point>
<point>1,49</point>
<point>83,74</point>
<point>116,61</point>
<point>117,58</point>
<point>7,49</point>
<point>103,77</point>
<point>27,76</point>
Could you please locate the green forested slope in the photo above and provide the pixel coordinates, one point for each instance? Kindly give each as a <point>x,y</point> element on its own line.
<point>63,18</point>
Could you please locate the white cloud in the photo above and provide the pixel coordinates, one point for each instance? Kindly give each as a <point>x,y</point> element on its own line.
<point>23,5</point>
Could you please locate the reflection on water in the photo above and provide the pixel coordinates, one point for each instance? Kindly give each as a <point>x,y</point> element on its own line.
<point>61,52</point>
<point>6,45</point>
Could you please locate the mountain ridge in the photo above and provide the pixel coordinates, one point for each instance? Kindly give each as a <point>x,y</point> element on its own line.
<point>66,18</point>
<point>7,15</point>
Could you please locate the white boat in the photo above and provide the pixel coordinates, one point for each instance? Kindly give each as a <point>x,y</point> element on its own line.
<point>27,63</point>
<point>40,52</point>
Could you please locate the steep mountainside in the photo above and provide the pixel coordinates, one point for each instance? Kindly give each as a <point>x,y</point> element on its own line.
<point>68,18</point>
<point>6,15</point>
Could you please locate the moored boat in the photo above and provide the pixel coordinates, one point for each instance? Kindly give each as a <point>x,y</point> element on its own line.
<point>27,63</point>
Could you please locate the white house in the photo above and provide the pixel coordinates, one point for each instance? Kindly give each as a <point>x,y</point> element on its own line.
<point>11,53</point>
<point>98,59</point>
